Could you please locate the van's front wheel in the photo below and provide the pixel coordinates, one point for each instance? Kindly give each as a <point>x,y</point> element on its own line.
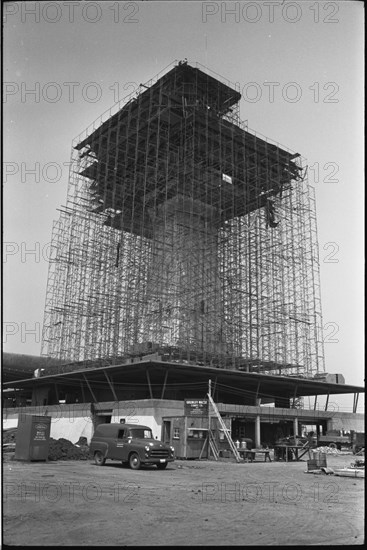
<point>134,461</point>
<point>99,458</point>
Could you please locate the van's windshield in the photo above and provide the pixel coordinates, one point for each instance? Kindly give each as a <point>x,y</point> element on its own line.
<point>141,433</point>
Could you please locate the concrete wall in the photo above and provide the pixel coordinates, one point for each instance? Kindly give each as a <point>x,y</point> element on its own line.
<point>67,421</point>
<point>76,420</point>
<point>144,411</point>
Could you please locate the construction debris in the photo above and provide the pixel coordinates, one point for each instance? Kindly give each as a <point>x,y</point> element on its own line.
<point>356,469</point>
<point>358,464</point>
<point>59,449</point>
<point>9,439</point>
<point>328,450</point>
<point>63,449</point>
<point>349,472</point>
<point>321,471</point>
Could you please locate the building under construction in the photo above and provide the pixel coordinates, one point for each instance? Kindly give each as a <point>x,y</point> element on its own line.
<point>185,258</point>
<point>186,234</point>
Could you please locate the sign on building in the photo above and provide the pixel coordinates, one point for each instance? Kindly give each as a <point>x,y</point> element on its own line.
<point>196,407</point>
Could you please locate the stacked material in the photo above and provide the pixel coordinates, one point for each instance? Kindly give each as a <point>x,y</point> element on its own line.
<point>317,462</point>
<point>356,469</point>
<point>350,472</point>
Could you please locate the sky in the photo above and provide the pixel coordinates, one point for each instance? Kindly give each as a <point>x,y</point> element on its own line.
<point>299,67</point>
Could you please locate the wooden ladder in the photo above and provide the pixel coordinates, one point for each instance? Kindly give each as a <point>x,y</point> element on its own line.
<point>213,445</point>
<point>225,430</point>
<point>210,440</point>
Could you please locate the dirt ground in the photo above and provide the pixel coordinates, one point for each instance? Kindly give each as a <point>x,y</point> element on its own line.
<point>191,503</point>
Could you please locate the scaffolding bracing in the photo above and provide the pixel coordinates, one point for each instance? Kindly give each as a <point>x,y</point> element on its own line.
<point>185,234</point>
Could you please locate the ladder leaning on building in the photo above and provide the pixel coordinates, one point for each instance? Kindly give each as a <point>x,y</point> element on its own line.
<point>225,430</point>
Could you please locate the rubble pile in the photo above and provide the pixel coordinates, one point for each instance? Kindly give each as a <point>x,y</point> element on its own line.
<point>327,450</point>
<point>9,438</point>
<point>63,449</point>
<point>59,449</point>
<point>357,464</point>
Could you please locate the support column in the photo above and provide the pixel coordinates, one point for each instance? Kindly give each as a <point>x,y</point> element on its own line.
<point>164,383</point>
<point>355,402</point>
<point>327,400</point>
<point>295,426</point>
<point>90,389</point>
<point>149,384</point>
<point>257,432</point>
<point>184,306</point>
<point>109,380</point>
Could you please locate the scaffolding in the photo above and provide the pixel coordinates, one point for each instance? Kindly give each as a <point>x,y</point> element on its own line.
<point>187,234</point>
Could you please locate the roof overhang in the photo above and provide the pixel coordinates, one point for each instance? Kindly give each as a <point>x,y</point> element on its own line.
<point>135,373</point>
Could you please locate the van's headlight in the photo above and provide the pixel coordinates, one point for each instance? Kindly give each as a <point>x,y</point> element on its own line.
<point>147,448</point>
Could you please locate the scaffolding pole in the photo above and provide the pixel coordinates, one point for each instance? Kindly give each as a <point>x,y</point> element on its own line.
<point>185,232</point>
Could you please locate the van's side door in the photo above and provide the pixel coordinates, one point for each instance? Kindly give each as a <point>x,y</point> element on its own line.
<point>121,444</point>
